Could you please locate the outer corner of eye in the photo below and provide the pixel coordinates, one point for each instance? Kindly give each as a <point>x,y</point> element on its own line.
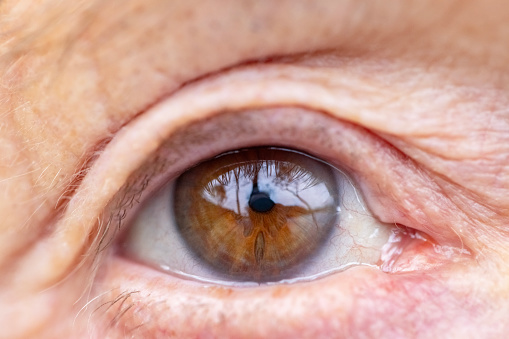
<point>261,215</point>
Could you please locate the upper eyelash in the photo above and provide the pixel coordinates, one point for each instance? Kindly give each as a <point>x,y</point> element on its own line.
<point>250,170</point>
<point>130,195</point>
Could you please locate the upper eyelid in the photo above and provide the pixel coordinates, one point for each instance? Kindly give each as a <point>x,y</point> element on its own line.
<point>157,168</point>
<point>310,88</point>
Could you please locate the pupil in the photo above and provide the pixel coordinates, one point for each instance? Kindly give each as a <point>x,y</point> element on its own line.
<point>260,201</point>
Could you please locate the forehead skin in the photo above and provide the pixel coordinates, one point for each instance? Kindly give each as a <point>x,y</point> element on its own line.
<point>75,72</point>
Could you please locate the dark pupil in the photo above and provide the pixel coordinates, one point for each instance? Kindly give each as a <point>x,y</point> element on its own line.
<point>260,201</point>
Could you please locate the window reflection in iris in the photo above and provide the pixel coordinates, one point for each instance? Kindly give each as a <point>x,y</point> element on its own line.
<point>254,214</point>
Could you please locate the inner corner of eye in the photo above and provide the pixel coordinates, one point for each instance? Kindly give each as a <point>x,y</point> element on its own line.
<point>263,215</point>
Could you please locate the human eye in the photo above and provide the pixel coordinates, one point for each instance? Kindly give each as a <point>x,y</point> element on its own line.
<point>202,224</point>
<point>257,215</point>
<point>400,111</point>
<point>142,236</point>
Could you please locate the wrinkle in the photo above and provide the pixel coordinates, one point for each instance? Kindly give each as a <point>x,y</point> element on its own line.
<point>108,99</point>
<point>481,179</point>
<point>163,75</point>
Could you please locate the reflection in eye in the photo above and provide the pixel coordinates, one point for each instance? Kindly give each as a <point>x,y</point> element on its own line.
<point>254,214</point>
<point>257,215</point>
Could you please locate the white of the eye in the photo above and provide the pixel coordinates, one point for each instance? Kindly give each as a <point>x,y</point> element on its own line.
<point>357,239</point>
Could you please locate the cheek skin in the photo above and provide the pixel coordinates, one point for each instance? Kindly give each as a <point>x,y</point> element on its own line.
<point>360,301</point>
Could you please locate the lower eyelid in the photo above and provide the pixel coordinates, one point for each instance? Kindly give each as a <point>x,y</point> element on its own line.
<point>152,304</point>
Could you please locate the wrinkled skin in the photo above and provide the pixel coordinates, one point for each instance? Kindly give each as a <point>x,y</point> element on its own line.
<point>428,80</point>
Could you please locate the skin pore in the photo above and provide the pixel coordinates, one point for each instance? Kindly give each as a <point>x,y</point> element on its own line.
<point>91,89</point>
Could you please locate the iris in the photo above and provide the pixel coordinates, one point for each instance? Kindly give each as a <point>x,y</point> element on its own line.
<point>255,214</point>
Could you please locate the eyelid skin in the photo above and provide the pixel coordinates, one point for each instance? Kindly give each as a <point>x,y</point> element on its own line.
<point>440,64</point>
<point>357,302</point>
<point>339,97</point>
<point>346,97</point>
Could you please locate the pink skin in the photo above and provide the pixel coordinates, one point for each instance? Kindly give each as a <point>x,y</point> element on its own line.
<point>423,89</point>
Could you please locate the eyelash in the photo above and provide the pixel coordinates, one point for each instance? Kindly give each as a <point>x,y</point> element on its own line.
<point>155,172</point>
<point>337,142</point>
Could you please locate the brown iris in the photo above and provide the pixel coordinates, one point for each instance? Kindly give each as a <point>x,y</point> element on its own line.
<point>256,214</point>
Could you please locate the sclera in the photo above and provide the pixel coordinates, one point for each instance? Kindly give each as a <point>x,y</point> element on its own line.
<point>356,238</point>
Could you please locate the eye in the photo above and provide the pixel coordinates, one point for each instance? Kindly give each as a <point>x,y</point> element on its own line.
<point>257,215</point>
<point>176,210</point>
<point>162,251</point>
